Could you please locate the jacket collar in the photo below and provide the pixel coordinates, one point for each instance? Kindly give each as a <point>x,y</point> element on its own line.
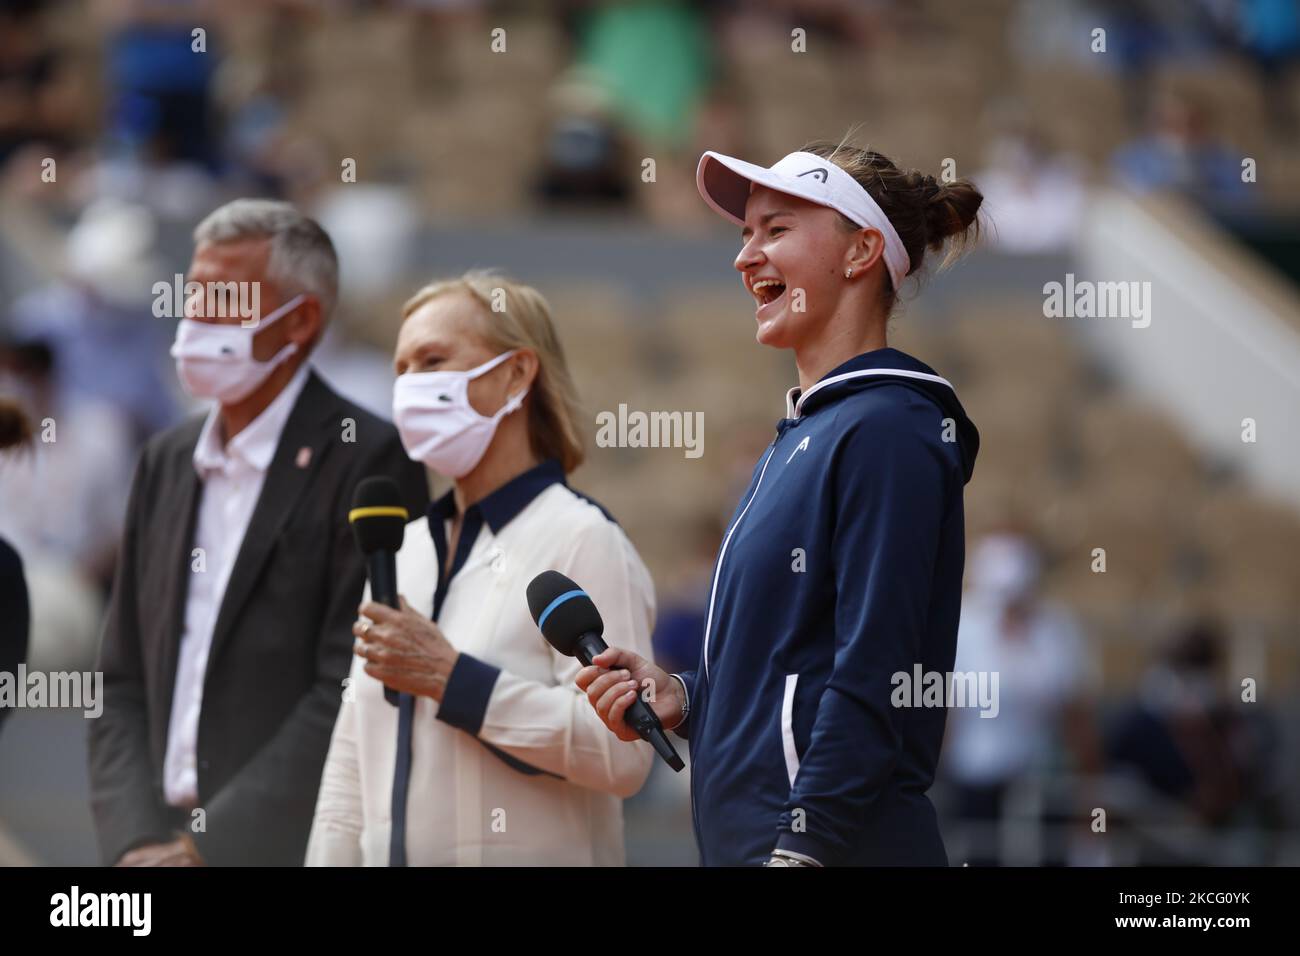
<point>256,444</point>
<point>887,362</point>
<point>501,506</point>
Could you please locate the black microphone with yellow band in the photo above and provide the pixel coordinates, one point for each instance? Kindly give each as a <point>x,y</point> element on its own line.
<point>378,520</point>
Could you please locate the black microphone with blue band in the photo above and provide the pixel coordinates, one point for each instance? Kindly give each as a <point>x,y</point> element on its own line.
<point>568,619</point>
<point>378,520</point>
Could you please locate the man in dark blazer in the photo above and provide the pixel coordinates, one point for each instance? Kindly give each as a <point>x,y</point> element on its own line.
<point>228,635</point>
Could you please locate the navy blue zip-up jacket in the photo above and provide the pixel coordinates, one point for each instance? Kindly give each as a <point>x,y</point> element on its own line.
<point>841,567</point>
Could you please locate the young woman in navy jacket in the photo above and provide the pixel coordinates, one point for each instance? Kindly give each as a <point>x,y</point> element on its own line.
<point>838,584</point>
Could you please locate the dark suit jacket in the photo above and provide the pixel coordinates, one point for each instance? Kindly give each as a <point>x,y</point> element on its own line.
<point>14,614</point>
<point>280,649</point>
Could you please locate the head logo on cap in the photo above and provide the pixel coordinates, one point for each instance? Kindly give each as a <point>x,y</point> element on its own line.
<point>819,173</point>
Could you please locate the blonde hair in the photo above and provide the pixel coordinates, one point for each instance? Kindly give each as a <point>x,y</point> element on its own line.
<point>524,322</point>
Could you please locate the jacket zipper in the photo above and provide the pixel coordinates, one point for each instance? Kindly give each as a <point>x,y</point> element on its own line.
<point>722,554</point>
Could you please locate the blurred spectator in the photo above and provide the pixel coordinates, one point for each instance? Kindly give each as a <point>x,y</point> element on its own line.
<point>99,321</point>
<point>655,59</point>
<point>1191,742</point>
<point>30,95</point>
<point>1033,195</point>
<point>1270,35</point>
<point>1044,674</point>
<point>254,139</point>
<point>161,140</point>
<point>374,229</point>
<point>1141,34</point>
<point>160,76</point>
<point>72,485</point>
<point>267,150</point>
<point>584,158</point>
<point>1180,153</point>
<point>1048,34</point>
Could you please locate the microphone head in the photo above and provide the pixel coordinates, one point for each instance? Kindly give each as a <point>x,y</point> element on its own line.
<point>378,516</point>
<point>562,610</point>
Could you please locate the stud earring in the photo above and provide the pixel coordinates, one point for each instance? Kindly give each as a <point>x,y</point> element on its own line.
<point>848,273</point>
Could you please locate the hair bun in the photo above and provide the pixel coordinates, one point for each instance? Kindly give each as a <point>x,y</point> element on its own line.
<point>925,212</point>
<point>950,208</point>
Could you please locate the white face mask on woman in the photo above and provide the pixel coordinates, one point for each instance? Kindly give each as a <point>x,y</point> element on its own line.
<point>216,360</point>
<point>439,426</point>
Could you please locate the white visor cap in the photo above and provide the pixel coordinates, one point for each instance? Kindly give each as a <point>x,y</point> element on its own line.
<point>726,182</point>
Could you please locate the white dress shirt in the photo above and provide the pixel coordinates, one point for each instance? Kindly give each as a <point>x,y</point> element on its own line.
<point>467,805</point>
<point>232,482</point>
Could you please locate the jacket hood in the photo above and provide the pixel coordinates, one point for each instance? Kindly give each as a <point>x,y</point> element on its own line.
<point>890,366</point>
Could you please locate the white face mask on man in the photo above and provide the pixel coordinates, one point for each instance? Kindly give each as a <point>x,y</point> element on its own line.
<point>439,426</point>
<point>216,360</point>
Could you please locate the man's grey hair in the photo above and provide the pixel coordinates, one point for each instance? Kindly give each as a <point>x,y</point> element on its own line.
<point>302,257</point>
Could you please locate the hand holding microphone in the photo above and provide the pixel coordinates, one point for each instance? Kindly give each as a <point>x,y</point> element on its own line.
<point>378,518</point>
<point>403,649</point>
<point>571,624</point>
<point>616,677</point>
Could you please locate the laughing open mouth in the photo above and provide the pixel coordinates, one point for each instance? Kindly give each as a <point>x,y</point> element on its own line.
<point>767,291</point>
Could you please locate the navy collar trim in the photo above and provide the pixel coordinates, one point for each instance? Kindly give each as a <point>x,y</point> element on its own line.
<point>878,362</point>
<point>501,506</point>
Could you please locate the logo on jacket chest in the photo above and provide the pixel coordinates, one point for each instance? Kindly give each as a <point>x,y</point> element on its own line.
<point>802,446</point>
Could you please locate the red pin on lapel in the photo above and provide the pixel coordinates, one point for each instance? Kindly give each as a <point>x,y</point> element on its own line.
<point>304,457</point>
